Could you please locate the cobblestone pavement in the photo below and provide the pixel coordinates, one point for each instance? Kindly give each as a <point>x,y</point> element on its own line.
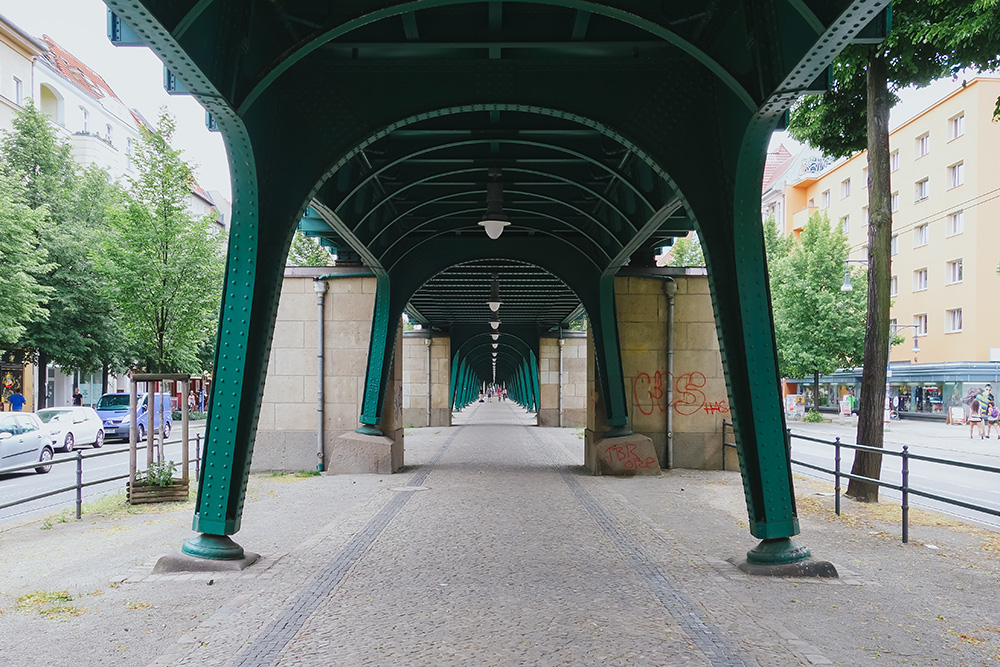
<point>495,547</point>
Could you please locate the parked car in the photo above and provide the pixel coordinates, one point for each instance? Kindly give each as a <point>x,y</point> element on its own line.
<point>24,439</point>
<point>113,409</point>
<point>73,426</point>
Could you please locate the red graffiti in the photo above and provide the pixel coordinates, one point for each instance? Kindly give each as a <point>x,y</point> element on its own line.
<point>626,454</point>
<point>648,394</point>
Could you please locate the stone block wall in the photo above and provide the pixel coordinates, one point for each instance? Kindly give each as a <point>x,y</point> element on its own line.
<point>286,429</point>
<point>574,381</point>
<point>415,380</point>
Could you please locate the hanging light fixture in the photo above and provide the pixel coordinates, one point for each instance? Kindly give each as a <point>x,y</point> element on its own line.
<point>494,221</point>
<point>495,336</point>
<point>495,324</point>
<point>495,345</point>
<point>494,301</point>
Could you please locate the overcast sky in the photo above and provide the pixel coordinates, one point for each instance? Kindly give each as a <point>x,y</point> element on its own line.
<point>135,74</point>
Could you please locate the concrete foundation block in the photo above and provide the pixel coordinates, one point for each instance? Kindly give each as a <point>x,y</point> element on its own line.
<point>625,455</point>
<point>358,453</point>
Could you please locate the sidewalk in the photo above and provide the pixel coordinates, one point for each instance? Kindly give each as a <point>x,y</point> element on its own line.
<point>495,547</point>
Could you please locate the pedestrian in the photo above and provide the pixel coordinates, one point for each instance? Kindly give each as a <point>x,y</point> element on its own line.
<point>992,417</point>
<point>77,396</point>
<point>192,401</point>
<point>975,418</point>
<point>17,401</point>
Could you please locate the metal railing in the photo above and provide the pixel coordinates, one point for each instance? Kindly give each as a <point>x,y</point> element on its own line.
<point>904,487</point>
<point>80,485</point>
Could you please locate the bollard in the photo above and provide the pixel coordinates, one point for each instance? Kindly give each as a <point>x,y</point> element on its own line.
<point>79,484</point>
<point>906,494</point>
<point>836,475</point>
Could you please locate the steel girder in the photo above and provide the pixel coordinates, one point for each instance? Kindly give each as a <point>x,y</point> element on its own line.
<point>617,124</point>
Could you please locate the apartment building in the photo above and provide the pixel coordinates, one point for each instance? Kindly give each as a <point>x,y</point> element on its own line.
<point>945,246</point>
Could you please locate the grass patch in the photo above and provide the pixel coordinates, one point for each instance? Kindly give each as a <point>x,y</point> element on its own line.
<point>51,604</point>
<point>115,505</point>
<point>133,604</point>
<point>290,476</point>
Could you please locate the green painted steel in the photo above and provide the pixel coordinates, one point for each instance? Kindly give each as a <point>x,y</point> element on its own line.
<point>651,120</point>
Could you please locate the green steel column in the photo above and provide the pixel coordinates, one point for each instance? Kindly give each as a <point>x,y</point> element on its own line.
<point>453,384</point>
<point>606,346</point>
<point>534,382</point>
<point>741,297</point>
<point>524,382</point>
<point>380,351</point>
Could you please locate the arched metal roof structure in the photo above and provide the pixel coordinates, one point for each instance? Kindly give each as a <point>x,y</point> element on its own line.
<point>613,125</point>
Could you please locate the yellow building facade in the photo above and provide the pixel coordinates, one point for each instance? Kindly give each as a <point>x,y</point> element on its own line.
<point>945,174</point>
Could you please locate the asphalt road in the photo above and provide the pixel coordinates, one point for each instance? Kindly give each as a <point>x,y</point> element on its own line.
<point>109,461</point>
<point>937,440</point>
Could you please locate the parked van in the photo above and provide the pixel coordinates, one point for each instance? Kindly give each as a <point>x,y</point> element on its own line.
<point>113,410</point>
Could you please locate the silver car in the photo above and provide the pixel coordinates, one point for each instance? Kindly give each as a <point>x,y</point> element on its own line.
<point>24,439</point>
<point>72,426</point>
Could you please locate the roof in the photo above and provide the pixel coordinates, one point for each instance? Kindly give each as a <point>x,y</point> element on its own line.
<point>75,71</point>
<point>25,41</point>
<point>777,163</point>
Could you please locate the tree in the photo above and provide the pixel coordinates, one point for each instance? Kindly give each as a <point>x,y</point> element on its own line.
<point>929,39</point>
<point>164,267</point>
<point>307,252</point>
<point>78,331</point>
<point>818,327</point>
<point>22,297</point>
<point>686,251</point>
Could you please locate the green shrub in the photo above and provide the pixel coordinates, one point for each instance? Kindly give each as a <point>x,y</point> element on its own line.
<point>813,417</point>
<point>160,473</point>
<point>193,416</point>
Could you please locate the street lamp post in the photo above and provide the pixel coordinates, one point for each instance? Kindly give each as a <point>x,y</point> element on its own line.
<point>888,369</point>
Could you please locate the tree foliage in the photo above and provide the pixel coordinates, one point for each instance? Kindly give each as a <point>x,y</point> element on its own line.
<point>686,251</point>
<point>306,251</point>
<point>818,327</point>
<point>22,296</point>
<point>164,266</point>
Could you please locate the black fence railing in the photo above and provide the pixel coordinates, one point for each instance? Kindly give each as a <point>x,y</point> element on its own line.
<point>904,487</point>
<point>80,458</point>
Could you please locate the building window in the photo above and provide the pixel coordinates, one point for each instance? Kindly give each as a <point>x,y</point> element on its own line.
<point>825,199</point>
<point>894,161</point>
<point>956,223</point>
<point>894,202</point>
<point>923,146</point>
<point>953,320</point>
<point>922,189</point>
<point>892,325</point>
<point>956,175</point>
<point>109,132</point>
<point>920,236</point>
<point>894,245</point>
<point>811,203</point>
<point>956,126</point>
<point>845,224</point>
<point>128,153</point>
<point>864,214</point>
<point>893,286</point>
<point>954,272</point>
<point>864,177</point>
<point>86,120</point>
<point>921,322</point>
<point>920,280</point>
<point>18,91</point>
<point>845,189</point>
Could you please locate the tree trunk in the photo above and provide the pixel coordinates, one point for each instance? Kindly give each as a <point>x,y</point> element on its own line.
<point>816,390</point>
<point>42,388</point>
<point>105,369</point>
<point>873,377</point>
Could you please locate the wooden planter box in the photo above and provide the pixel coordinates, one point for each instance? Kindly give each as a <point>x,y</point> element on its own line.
<point>148,493</point>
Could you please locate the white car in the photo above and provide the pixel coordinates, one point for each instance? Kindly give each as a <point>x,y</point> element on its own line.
<point>24,439</point>
<point>72,426</point>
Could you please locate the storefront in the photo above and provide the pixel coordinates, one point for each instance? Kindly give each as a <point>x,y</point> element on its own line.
<point>925,391</point>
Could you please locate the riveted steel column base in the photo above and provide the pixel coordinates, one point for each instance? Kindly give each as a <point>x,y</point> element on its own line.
<point>618,431</point>
<point>784,557</point>
<point>368,429</point>
<point>213,547</point>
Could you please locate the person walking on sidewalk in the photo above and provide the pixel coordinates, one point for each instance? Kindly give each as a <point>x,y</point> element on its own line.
<point>976,417</point>
<point>992,419</point>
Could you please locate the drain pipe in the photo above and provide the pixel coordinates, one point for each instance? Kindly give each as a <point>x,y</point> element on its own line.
<point>561,343</point>
<point>427,343</point>
<point>670,289</point>
<point>319,285</point>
